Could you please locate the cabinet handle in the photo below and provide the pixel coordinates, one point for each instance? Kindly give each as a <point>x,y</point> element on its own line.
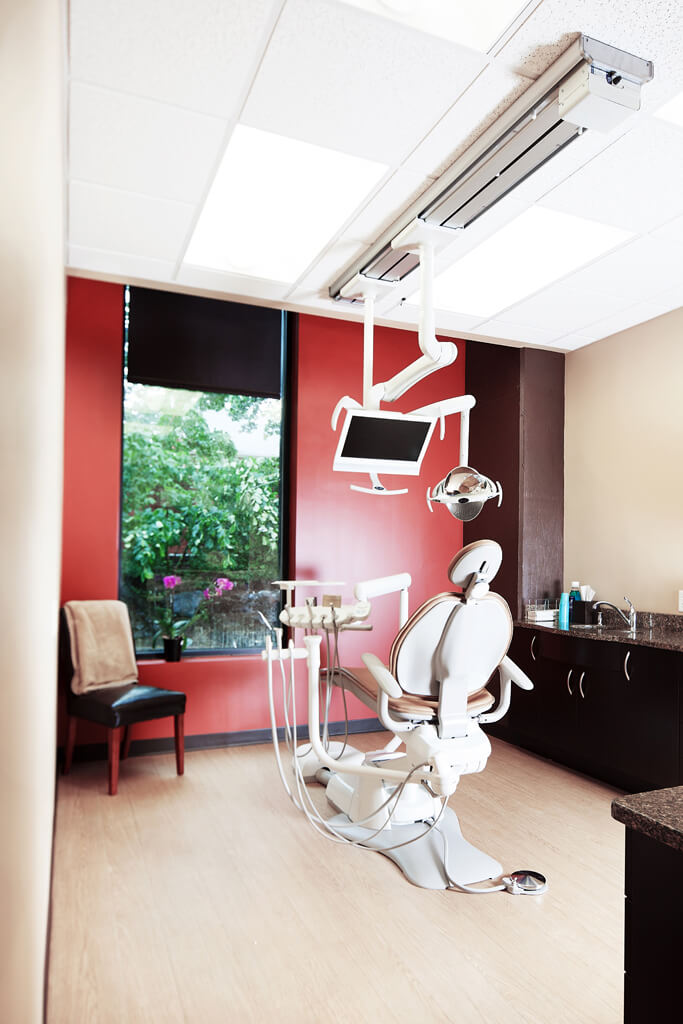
<point>628,655</point>
<point>569,675</point>
<point>531,647</point>
<point>581,684</point>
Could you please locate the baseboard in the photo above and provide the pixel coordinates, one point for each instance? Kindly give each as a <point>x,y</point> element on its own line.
<point>211,740</point>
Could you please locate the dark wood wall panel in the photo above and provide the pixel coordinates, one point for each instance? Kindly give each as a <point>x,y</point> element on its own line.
<point>492,376</point>
<point>542,473</point>
<point>517,437</point>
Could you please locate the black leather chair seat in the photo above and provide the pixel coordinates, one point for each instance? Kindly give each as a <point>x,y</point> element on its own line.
<point>125,705</point>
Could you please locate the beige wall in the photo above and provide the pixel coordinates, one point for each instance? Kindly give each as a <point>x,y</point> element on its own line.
<point>31,411</point>
<point>624,465</point>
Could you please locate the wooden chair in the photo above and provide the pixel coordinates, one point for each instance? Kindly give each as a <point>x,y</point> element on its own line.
<point>117,708</point>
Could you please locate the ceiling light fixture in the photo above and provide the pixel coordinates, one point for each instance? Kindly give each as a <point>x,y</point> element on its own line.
<point>533,250</point>
<point>593,85</point>
<point>252,223</point>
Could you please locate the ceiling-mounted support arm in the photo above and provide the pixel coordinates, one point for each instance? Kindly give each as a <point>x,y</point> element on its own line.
<point>367,289</point>
<point>423,239</point>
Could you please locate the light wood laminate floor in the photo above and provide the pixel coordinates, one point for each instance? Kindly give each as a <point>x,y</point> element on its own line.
<point>208,898</point>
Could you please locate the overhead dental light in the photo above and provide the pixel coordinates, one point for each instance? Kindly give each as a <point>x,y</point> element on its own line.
<point>464,491</point>
<point>591,86</point>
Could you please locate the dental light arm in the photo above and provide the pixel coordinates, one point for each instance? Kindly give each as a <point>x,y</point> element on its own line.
<point>448,407</point>
<point>367,589</point>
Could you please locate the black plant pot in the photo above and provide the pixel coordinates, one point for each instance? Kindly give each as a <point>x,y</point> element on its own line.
<point>173,648</point>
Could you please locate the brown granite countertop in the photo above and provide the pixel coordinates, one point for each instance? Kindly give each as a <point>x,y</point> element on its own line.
<point>663,637</point>
<point>658,814</point>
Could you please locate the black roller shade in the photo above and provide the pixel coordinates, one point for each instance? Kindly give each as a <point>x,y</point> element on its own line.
<point>183,341</point>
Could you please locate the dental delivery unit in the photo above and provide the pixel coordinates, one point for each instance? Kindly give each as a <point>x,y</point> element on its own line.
<point>432,696</point>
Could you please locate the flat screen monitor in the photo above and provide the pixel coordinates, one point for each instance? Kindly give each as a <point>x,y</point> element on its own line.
<point>383,442</point>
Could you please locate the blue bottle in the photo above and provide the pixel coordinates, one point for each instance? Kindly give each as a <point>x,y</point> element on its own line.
<point>563,621</point>
<point>574,595</point>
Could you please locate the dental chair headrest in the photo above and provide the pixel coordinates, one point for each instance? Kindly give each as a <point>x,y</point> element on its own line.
<point>475,567</point>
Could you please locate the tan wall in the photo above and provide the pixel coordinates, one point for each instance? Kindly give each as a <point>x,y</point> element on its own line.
<point>624,465</point>
<point>31,414</point>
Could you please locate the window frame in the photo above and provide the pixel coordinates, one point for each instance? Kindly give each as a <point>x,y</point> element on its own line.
<point>288,341</point>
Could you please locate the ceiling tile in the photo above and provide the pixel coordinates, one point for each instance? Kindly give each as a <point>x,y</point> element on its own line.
<point>477,26</point>
<point>198,55</point>
<point>409,313</point>
<point>141,145</point>
<point>633,184</point>
<point>650,30</point>
<point>118,264</point>
<point>561,309</point>
<point>104,218</point>
<point>328,267</point>
<point>638,313</point>
<point>671,232</point>
<point>234,285</point>
<point>636,270</point>
<point>530,335</point>
<point>346,80</point>
<point>479,106</point>
<point>571,342</point>
<point>393,198</point>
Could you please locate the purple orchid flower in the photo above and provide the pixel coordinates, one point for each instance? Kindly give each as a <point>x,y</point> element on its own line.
<point>172,581</point>
<point>222,584</point>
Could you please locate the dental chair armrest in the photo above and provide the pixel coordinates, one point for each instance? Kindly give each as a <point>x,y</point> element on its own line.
<point>515,673</point>
<point>387,687</point>
<point>509,673</point>
<point>381,674</point>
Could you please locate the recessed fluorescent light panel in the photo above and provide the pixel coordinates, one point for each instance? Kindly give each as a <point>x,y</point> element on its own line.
<point>476,25</point>
<point>274,203</point>
<point>533,250</point>
<point>672,111</point>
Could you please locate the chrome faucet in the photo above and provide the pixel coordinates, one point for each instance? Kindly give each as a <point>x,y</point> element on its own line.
<point>629,619</point>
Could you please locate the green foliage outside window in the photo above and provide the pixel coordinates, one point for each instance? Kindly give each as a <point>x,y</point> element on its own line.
<point>200,500</point>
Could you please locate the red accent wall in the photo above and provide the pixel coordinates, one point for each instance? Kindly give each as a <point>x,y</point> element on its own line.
<point>336,533</point>
<point>92,447</point>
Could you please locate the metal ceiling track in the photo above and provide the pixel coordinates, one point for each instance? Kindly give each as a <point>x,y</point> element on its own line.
<point>592,85</point>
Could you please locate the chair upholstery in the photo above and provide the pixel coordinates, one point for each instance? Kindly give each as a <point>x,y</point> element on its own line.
<point>117,708</point>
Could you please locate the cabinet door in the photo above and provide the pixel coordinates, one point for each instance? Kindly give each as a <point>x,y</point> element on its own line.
<point>628,720</point>
<point>543,719</point>
<point>647,736</point>
<point>600,694</point>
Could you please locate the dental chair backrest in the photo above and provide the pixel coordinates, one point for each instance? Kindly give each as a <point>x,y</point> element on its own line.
<point>451,646</point>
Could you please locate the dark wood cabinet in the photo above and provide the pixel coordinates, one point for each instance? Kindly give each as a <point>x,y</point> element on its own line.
<point>605,708</point>
<point>653,930</point>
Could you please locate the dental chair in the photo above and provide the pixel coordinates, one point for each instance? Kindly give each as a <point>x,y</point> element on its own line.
<point>432,695</point>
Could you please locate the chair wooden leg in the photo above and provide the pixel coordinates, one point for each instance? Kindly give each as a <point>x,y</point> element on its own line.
<point>125,746</point>
<point>113,743</point>
<point>179,730</point>
<point>70,740</point>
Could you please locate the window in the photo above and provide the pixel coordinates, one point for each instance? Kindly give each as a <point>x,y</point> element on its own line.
<point>200,510</point>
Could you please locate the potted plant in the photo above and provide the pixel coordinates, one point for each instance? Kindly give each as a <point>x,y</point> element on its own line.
<point>172,629</point>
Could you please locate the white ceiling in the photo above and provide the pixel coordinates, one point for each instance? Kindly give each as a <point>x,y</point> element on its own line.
<point>156,88</point>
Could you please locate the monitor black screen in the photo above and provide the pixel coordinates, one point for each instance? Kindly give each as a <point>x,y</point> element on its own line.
<point>398,440</point>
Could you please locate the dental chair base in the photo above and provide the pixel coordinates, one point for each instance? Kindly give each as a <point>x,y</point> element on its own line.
<point>428,862</point>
